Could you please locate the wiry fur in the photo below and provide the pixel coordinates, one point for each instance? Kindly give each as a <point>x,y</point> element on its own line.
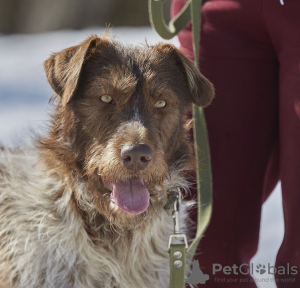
<point>58,225</point>
<point>48,245</point>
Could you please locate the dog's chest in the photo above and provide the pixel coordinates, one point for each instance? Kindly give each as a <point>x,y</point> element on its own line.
<point>54,248</point>
<point>139,259</point>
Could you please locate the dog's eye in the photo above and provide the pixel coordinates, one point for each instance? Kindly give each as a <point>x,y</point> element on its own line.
<point>106,99</point>
<point>160,104</point>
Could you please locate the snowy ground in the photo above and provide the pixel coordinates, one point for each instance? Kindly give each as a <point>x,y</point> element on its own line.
<point>24,95</point>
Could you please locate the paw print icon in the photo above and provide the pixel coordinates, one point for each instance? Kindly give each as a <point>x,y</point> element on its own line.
<point>261,269</point>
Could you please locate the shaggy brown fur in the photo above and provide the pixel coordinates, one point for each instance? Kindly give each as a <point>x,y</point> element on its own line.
<point>147,94</point>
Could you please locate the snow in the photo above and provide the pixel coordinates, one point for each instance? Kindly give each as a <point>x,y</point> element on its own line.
<point>24,108</point>
<point>271,235</point>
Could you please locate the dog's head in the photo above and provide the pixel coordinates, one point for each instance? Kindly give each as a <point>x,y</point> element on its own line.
<point>120,119</point>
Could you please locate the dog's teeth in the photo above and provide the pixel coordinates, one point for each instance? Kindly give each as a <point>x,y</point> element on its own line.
<point>112,203</point>
<point>113,206</point>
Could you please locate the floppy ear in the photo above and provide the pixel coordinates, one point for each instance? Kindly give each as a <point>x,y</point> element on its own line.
<point>63,68</point>
<point>201,91</point>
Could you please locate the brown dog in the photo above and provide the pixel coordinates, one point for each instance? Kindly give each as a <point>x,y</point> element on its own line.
<point>86,209</point>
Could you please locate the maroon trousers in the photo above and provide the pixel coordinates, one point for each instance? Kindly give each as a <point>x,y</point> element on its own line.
<point>250,51</point>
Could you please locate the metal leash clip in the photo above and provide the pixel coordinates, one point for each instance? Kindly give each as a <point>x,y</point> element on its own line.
<point>175,214</point>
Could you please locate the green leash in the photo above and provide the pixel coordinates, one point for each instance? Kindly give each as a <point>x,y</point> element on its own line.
<point>190,11</point>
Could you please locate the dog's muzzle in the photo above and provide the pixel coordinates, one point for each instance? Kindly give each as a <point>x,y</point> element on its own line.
<point>131,195</point>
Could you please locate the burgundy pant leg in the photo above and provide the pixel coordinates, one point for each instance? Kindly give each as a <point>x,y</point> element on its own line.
<point>243,131</point>
<point>284,27</point>
<point>289,253</point>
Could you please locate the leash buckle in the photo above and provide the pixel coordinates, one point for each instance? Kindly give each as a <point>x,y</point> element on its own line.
<point>178,236</point>
<point>175,214</point>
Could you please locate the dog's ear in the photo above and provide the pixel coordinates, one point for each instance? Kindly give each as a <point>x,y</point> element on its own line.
<point>201,91</point>
<point>63,68</point>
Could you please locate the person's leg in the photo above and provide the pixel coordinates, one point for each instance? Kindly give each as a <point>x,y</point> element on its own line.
<point>242,125</point>
<point>289,253</point>
<point>284,23</point>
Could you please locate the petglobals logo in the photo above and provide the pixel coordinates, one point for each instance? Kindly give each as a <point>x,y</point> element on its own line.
<point>197,276</point>
<point>241,273</point>
<point>248,269</point>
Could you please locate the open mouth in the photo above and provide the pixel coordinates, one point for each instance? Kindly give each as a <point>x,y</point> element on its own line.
<point>130,196</point>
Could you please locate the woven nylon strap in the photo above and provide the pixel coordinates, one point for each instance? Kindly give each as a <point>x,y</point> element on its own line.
<point>177,265</point>
<point>190,11</point>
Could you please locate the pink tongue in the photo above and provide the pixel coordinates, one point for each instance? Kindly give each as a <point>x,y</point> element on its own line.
<point>131,196</point>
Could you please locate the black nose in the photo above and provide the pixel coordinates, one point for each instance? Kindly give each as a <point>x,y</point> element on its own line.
<point>136,157</point>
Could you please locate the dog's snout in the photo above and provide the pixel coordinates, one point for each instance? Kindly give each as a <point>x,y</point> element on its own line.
<point>136,157</point>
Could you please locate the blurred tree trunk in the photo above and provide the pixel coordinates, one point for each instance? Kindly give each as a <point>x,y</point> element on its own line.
<point>41,15</point>
<point>31,16</point>
<point>7,8</point>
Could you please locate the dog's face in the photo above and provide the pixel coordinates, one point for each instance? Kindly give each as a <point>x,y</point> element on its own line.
<point>120,121</point>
